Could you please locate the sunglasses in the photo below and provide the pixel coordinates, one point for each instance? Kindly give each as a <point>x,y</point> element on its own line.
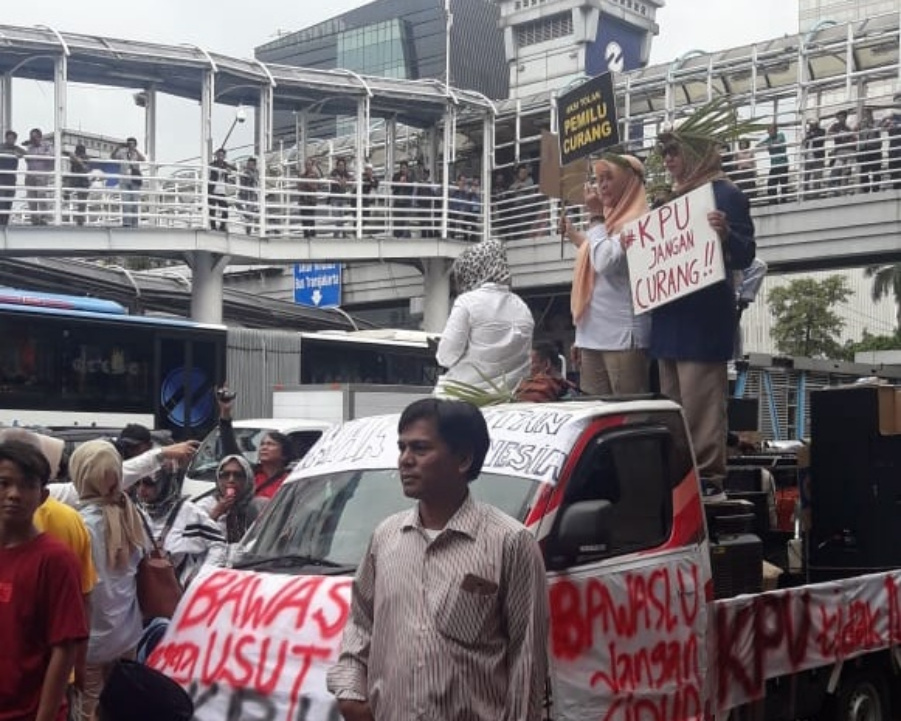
<point>147,482</point>
<point>670,149</point>
<point>236,475</point>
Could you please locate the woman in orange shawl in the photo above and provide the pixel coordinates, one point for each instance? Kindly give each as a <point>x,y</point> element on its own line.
<point>611,339</point>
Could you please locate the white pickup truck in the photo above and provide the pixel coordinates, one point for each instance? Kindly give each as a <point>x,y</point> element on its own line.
<point>611,491</point>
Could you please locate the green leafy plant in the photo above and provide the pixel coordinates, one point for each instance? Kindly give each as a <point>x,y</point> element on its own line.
<point>492,396</point>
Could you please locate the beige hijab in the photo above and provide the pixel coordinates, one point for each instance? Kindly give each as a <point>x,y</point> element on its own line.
<point>96,471</point>
<point>632,204</point>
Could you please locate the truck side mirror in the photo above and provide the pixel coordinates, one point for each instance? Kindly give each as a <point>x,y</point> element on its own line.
<point>583,528</point>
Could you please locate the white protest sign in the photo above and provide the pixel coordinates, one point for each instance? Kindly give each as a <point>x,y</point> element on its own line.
<point>526,441</point>
<point>256,645</point>
<point>672,251</point>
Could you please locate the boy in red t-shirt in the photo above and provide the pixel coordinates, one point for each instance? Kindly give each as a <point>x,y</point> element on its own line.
<point>42,616</point>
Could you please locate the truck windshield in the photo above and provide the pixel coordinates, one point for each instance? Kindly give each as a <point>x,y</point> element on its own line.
<point>331,517</point>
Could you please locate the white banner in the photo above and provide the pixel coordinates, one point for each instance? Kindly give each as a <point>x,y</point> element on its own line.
<point>783,632</point>
<point>672,251</point>
<point>629,643</point>
<point>529,441</point>
<point>256,645</point>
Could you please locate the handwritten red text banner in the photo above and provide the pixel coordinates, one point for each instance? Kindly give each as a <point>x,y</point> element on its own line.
<point>783,632</point>
<point>673,251</point>
<point>629,645</point>
<point>256,645</point>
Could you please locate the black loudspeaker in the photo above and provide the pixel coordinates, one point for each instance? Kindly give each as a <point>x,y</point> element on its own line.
<point>855,484</point>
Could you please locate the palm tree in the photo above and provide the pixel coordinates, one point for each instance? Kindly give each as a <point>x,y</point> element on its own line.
<point>886,283</point>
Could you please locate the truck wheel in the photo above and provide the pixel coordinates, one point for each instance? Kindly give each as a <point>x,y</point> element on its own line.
<point>861,697</point>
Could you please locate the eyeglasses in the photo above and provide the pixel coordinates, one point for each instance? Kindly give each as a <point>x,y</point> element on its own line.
<point>670,149</point>
<point>236,475</point>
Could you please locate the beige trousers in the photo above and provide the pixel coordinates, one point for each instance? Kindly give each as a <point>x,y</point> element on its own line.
<point>95,676</point>
<point>700,388</point>
<point>614,372</point>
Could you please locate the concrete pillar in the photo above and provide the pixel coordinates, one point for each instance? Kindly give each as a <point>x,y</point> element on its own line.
<point>436,292</point>
<point>207,284</point>
<point>446,159</point>
<point>60,86</point>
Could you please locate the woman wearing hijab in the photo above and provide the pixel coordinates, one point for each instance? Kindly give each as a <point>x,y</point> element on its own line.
<point>611,339</point>
<point>177,526</point>
<point>117,544</point>
<point>488,336</point>
<point>692,337</point>
<point>233,506</point>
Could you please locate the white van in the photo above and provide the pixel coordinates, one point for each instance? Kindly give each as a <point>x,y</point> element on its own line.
<point>200,477</point>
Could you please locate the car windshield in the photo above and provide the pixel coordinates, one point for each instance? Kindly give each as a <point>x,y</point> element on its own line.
<point>331,517</point>
<point>206,460</point>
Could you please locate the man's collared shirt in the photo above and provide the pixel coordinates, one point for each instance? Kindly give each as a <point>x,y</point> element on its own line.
<point>451,629</point>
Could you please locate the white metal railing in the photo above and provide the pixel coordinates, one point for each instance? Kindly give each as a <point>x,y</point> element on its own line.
<point>859,159</point>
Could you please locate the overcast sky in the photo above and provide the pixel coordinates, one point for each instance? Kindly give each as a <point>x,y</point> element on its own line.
<point>235,27</point>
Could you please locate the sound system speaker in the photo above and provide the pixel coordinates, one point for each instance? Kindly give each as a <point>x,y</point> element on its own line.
<point>855,482</point>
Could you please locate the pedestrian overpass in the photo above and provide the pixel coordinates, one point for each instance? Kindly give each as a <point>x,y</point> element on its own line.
<point>812,220</point>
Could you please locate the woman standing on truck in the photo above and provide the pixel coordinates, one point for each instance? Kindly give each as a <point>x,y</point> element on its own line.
<point>488,336</point>
<point>611,339</point>
<point>692,337</point>
<point>274,454</point>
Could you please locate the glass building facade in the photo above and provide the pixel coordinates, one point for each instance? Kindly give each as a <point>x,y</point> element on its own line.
<point>377,49</point>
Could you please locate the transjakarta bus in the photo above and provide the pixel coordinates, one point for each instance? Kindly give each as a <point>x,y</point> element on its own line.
<point>67,360</point>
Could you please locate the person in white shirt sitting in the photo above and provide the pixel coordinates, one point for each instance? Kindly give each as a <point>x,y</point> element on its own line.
<point>488,336</point>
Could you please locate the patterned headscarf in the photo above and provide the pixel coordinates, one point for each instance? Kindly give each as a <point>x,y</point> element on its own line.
<point>484,262</point>
<point>244,512</point>
<point>96,472</point>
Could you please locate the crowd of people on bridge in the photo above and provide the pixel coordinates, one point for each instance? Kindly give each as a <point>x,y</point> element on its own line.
<point>841,158</point>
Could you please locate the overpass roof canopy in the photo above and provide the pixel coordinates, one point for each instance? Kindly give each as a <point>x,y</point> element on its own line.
<point>178,70</point>
<point>766,69</point>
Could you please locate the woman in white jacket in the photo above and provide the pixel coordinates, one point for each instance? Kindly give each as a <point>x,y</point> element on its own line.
<point>186,533</point>
<point>488,336</point>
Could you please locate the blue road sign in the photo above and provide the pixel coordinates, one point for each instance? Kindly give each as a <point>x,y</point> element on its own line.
<point>317,285</point>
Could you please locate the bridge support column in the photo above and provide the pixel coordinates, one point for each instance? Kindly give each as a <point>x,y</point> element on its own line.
<point>436,292</point>
<point>207,270</point>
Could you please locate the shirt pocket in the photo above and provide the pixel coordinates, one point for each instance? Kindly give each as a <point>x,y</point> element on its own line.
<point>469,617</point>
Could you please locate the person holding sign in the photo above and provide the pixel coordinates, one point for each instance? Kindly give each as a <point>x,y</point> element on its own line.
<point>612,340</point>
<point>692,336</point>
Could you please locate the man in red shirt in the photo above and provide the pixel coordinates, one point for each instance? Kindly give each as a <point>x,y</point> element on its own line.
<point>42,618</point>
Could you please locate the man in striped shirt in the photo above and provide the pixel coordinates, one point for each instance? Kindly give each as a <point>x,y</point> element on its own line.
<point>449,614</point>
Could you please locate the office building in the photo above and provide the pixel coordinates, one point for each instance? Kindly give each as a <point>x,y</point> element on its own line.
<point>550,43</point>
<point>401,39</point>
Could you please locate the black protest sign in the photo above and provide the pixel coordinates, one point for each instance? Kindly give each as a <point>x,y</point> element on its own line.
<point>586,119</point>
